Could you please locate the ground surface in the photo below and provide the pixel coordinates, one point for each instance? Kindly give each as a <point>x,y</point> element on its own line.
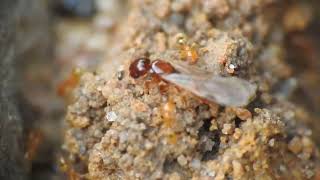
<point>120,127</point>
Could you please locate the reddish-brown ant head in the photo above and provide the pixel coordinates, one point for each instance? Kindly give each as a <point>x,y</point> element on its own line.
<point>139,67</point>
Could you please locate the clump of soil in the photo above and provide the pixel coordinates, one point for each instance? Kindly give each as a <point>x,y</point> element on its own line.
<point>119,127</point>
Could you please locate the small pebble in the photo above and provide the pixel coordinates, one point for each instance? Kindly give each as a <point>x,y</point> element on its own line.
<point>111,116</point>
<point>231,68</point>
<point>295,145</point>
<point>227,128</point>
<point>271,142</point>
<point>120,75</point>
<point>182,160</point>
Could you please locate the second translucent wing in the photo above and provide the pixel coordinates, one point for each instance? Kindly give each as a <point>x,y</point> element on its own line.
<point>228,91</point>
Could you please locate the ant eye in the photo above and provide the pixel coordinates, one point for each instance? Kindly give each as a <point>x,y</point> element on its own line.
<point>139,67</point>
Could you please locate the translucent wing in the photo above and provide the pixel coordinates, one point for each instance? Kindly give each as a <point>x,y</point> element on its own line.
<point>185,68</point>
<point>228,91</point>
